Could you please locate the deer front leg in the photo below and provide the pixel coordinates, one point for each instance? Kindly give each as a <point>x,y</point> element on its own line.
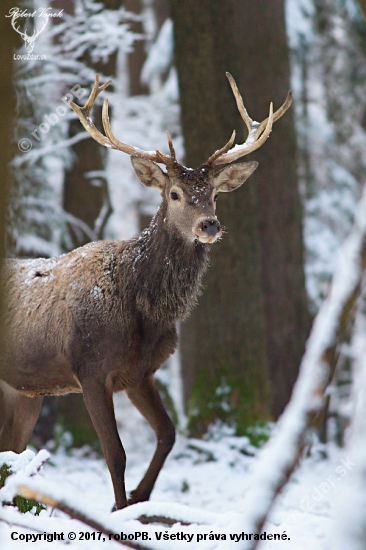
<point>99,402</point>
<point>147,400</point>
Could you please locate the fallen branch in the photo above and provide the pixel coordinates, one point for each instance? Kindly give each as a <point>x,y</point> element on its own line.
<point>48,500</point>
<point>20,524</point>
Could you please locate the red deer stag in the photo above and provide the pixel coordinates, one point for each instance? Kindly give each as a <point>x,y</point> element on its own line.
<point>102,318</point>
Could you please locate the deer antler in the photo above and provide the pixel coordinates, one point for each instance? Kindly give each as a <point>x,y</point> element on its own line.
<point>109,140</point>
<point>258,133</point>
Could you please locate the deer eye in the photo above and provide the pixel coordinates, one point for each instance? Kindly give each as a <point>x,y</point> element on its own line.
<point>215,198</point>
<point>174,196</point>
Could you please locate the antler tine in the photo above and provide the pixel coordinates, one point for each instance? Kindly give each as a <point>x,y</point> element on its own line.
<point>246,149</point>
<point>258,133</point>
<point>171,146</point>
<point>164,159</point>
<point>120,146</point>
<point>239,102</point>
<point>226,147</point>
<point>83,113</point>
<point>109,140</point>
<point>94,94</point>
<point>281,111</point>
<point>108,130</point>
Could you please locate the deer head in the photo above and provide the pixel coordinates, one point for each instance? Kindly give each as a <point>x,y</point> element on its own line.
<point>29,40</point>
<point>189,195</point>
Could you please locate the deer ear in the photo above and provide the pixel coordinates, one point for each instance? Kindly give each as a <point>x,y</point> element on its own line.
<point>233,176</point>
<point>149,173</point>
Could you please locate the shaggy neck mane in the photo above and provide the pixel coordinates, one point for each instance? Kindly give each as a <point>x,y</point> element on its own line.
<point>166,271</point>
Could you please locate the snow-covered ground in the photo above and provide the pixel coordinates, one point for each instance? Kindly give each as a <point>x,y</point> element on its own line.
<point>206,475</point>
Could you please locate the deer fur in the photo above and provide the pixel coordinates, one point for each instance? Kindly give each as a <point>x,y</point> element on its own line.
<point>103,317</point>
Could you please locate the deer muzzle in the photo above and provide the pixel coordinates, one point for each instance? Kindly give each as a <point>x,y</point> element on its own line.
<point>207,230</point>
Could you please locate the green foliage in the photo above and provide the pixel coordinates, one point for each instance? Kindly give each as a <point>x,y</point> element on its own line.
<point>259,433</point>
<point>4,473</point>
<point>230,399</point>
<point>23,504</point>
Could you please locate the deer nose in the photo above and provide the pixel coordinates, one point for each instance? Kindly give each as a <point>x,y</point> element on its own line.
<point>211,227</point>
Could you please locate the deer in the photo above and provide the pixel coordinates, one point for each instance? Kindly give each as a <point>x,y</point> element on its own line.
<point>102,318</point>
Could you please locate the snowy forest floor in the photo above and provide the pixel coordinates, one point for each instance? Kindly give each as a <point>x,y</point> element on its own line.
<point>208,475</point>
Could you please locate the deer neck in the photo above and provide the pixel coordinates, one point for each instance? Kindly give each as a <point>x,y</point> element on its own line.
<point>166,271</point>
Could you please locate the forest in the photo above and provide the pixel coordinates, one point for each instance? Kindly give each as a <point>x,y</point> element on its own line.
<point>266,388</point>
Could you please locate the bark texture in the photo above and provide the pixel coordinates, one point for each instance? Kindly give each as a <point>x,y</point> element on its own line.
<point>223,343</point>
<point>247,335</point>
<point>265,76</point>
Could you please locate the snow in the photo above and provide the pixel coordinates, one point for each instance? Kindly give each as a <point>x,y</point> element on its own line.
<point>97,30</point>
<point>208,488</point>
<point>34,242</point>
<point>350,530</point>
<point>249,141</point>
<point>327,80</point>
<point>160,55</point>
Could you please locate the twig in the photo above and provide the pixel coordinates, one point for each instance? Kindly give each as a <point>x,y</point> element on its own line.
<point>20,524</point>
<point>27,492</point>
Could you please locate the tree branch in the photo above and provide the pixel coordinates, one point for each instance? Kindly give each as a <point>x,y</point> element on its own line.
<point>32,494</point>
<point>279,458</point>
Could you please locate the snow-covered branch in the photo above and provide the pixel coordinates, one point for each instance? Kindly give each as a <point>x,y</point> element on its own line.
<point>36,154</point>
<point>350,526</point>
<point>96,30</point>
<point>279,457</point>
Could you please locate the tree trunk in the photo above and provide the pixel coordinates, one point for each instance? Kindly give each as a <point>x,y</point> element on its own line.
<point>223,343</point>
<point>137,57</point>
<point>162,12</point>
<point>247,335</point>
<point>264,77</point>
